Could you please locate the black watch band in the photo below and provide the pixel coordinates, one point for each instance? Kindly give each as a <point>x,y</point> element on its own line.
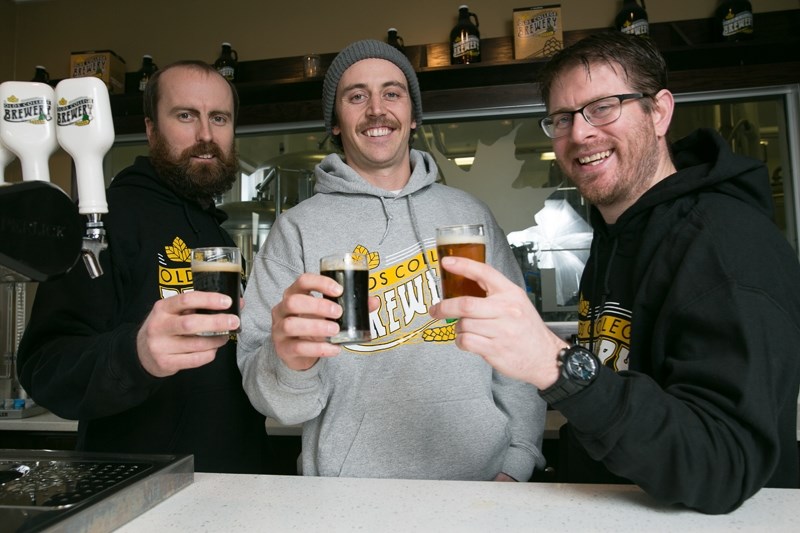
<point>578,369</point>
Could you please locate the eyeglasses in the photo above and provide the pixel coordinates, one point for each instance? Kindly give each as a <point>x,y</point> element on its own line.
<point>597,113</point>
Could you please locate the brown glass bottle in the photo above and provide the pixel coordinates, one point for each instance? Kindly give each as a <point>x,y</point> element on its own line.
<point>148,69</point>
<point>734,20</point>
<point>227,63</point>
<point>632,19</point>
<point>465,39</point>
<point>395,40</point>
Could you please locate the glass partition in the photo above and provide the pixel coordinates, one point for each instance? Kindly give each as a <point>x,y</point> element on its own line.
<point>501,156</point>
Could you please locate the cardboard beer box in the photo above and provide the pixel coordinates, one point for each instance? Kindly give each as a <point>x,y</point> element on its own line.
<point>538,31</point>
<point>103,64</point>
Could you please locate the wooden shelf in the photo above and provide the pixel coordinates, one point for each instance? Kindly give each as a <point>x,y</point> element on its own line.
<point>273,91</point>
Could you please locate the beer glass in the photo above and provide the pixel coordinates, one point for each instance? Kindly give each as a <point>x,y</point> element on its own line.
<point>464,240</point>
<point>218,269</point>
<point>351,271</point>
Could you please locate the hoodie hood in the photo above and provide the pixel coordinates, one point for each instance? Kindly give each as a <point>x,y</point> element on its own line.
<point>335,176</point>
<point>705,162</point>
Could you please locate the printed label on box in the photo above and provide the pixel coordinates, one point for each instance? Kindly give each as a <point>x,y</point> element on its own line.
<point>538,31</point>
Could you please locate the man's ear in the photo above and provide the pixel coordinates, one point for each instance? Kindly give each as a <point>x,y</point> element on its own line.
<point>148,128</point>
<point>663,107</point>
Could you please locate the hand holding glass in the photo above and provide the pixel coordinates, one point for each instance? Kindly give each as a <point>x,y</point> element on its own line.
<point>218,269</point>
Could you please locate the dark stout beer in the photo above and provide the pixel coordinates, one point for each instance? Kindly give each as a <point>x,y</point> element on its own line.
<point>353,276</point>
<point>218,270</point>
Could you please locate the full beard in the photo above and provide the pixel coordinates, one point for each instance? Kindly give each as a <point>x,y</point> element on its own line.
<point>199,182</point>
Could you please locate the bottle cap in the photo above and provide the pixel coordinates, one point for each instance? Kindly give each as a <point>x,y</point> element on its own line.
<point>148,56</point>
<point>226,44</point>
<point>392,29</point>
<point>40,67</point>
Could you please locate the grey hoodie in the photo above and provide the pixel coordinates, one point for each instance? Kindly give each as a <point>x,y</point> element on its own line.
<point>408,404</point>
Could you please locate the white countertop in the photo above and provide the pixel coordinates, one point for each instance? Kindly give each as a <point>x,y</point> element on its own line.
<point>225,502</point>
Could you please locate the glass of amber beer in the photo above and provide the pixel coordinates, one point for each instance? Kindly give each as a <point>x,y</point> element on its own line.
<point>351,271</point>
<point>218,269</point>
<point>465,240</point>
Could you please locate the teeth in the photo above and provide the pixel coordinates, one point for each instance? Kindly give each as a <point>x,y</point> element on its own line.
<point>205,156</point>
<point>377,132</point>
<point>594,158</point>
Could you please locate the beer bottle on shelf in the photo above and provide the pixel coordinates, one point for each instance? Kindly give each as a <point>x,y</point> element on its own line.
<point>734,20</point>
<point>465,39</point>
<point>41,75</point>
<point>632,19</point>
<point>395,40</point>
<point>147,70</point>
<point>227,62</point>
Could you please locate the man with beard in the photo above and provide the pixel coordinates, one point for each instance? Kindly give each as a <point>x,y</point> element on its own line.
<point>684,378</point>
<point>407,404</point>
<point>120,353</point>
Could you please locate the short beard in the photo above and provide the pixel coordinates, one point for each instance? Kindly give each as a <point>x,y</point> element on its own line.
<point>194,182</point>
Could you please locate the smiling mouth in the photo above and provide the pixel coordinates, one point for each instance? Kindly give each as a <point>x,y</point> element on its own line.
<point>594,159</point>
<point>377,132</point>
<point>203,156</point>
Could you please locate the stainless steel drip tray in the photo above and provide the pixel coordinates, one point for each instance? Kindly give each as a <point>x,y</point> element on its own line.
<point>68,491</point>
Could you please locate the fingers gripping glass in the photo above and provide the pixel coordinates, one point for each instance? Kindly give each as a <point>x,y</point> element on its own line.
<point>597,113</point>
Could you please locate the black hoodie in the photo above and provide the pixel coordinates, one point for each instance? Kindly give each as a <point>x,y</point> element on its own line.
<point>692,301</point>
<point>78,355</point>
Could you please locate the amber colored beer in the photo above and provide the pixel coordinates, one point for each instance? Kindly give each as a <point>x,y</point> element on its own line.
<point>461,241</point>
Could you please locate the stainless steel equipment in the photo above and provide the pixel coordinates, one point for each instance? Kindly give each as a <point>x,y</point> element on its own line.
<point>284,181</point>
<point>72,491</point>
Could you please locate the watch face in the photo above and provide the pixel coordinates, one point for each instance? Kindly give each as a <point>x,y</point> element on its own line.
<point>581,365</point>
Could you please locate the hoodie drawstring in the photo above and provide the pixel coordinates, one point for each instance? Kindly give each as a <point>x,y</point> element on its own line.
<point>594,309</point>
<point>415,227</point>
<point>389,218</point>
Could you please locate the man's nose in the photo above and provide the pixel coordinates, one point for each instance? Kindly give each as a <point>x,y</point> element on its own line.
<point>204,131</point>
<point>376,106</point>
<point>581,127</point>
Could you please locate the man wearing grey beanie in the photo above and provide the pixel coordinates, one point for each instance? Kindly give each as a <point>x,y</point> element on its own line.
<point>407,403</point>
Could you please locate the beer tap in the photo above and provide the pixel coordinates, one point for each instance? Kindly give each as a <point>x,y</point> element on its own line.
<point>6,157</point>
<point>85,130</point>
<point>27,128</point>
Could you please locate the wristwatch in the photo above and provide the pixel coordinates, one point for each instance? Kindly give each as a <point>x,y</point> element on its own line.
<point>579,367</point>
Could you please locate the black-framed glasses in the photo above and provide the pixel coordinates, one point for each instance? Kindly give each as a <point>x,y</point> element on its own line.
<point>597,113</point>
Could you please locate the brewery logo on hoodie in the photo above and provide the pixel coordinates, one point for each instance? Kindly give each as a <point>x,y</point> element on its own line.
<point>175,269</point>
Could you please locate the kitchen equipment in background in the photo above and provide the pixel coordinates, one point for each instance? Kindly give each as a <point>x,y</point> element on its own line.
<point>283,182</point>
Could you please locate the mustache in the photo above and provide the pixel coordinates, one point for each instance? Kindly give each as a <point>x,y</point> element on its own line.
<point>203,148</point>
<point>379,122</point>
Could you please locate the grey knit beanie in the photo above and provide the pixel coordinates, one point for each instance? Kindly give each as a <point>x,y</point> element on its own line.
<point>355,52</point>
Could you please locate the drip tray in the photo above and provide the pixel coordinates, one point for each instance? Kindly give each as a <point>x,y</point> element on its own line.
<point>69,491</point>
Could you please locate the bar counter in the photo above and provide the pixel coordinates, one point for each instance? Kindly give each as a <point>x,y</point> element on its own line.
<point>225,502</point>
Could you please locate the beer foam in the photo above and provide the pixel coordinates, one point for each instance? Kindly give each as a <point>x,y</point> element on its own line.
<point>460,239</point>
<point>339,263</point>
<point>216,266</point>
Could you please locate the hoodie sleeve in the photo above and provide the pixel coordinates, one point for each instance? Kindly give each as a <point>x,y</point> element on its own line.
<point>72,359</point>
<point>521,403</point>
<point>707,416</point>
<point>288,396</point>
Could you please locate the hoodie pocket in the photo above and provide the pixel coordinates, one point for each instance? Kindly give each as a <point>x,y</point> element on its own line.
<point>458,439</point>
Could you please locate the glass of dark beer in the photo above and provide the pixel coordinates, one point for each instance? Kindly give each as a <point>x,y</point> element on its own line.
<point>351,271</point>
<point>218,269</point>
<point>464,240</point>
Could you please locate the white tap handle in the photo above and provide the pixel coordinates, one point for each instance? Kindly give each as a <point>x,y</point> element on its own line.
<point>6,157</point>
<point>85,130</point>
<point>27,126</point>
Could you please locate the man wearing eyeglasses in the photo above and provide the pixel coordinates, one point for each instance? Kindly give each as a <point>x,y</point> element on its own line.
<point>684,377</point>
